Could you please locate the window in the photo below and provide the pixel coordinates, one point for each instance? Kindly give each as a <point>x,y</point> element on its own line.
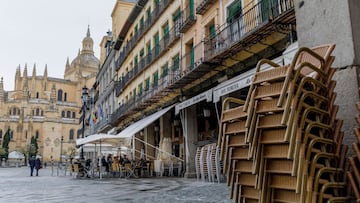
<point>59,96</point>
<point>147,83</point>
<point>140,87</point>
<point>65,96</point>
<point>156,44</point>
<point>148,15</point>
<point>212,31</point>
<point>176,62</point>
<point>1,134</point>
<point>234,11</point>
<point>71,134</point>
<point>68,114</point>
<point>37,134</point>
<point>156,79</point>
<point>14,111</point>
<point>134,93</point>
<point>37,95</point>
<point>164,70</point>
<point>142,23</point>
<point>42,113</point>
<point>73,114</point>
<point>63,114</point>
<point>78,134</point>
<point>148,47</point>
<point>37,112</point>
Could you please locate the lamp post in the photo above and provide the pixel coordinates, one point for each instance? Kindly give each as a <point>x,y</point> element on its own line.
<point>61,145</point>
<point>84,98</point>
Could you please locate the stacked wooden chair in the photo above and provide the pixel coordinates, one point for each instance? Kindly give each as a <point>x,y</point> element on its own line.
<point>291,149</point>
<point>207,163</point>
<point>353,172</point>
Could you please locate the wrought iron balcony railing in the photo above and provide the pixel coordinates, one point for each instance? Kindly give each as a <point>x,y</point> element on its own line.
<point>253,19</point>
<point>168,40</point>
<point>188,16</point>
<point>152,18</point>
<point>203,5</point>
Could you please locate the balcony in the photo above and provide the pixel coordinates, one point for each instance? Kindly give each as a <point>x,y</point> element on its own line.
<point>203,5</point>
<point>152,95</point>
<point>252,27</point>
<point>154,16</point>
<point>160,49</point>
<point>188,17</point>
<point>103,125</point>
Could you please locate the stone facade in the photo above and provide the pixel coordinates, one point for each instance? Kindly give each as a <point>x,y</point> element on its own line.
<point>46,107</point>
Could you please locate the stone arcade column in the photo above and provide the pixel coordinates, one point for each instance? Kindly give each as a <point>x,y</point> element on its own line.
<point>190,141</point>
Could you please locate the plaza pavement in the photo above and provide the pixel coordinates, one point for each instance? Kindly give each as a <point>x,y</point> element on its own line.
<point>16,185</point>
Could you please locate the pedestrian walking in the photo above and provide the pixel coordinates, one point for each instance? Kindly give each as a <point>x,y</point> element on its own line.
<point>37,166</point>
<point>32,161</point>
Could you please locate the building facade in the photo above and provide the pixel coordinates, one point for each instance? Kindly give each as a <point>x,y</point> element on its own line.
<point>48,108</point>
<point>195,53</point>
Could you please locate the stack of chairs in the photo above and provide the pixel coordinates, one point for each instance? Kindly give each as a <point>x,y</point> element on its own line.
<point>292,146</point>
<point>207,163</point>
<point>235,150</point>
<point>353,172</point>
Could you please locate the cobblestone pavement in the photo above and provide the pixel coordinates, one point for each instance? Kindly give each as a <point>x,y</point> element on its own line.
<point>17,186</point>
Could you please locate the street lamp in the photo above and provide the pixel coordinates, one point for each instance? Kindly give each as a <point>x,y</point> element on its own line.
<point>61,145</point>
<point>84,98</point>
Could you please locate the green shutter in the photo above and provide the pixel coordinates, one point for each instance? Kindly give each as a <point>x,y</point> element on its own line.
<point>147,83</point>
<point>233,10</point>
<point>176,15</point>
<point>191,7</point>
<point>176,63</point>
<point>136,60</point>
<point>140,89</point>
<point>136,28</point>
<point>142,23</point>
<point>156,78</point>
<point>212,31</point>
<point>166,29</point>
<point>156,44</point>
<point>165,70</point>
<point>192,58</point>
<point>134,93</point>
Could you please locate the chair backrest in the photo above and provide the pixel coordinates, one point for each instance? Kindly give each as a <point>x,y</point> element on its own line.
<point>76,168</point>
<point>324,51</point>
<point>128,166</point>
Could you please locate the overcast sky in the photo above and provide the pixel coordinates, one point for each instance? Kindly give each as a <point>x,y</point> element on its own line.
<point>47,32</point>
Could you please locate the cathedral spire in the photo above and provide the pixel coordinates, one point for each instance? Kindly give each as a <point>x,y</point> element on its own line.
<point>88,31</point>
<point>45,72</point>
<point>25,77</point>
<point>87,43</point>
<point>34,71</point>
<point>1,90</point>
<point>67,66</point>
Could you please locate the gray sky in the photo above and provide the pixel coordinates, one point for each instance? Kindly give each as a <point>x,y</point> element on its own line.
<point>47,32</point>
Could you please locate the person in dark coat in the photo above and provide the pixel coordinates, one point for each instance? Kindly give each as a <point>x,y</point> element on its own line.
<point>32,165</point>
<point>37,166</point>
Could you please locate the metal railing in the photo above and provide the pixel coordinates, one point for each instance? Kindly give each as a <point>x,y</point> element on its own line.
<point>252,19</point>
<point>203,5</point>
<point>154,16</point>
<point>188,16</point>
<point>192,59</point>
<point>146,60</point>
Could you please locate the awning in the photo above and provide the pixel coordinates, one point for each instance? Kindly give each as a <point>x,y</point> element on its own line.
<point>198,98</point>
<point>141,124</point>
<point>97,139</point>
